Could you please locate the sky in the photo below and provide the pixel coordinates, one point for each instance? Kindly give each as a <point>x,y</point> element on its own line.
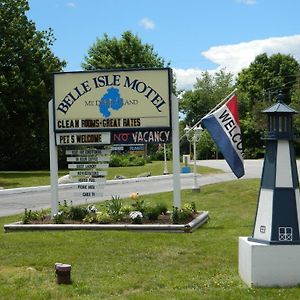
<point>193,35</point>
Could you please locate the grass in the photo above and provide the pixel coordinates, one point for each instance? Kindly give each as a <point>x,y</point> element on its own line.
<point>15,179</point>
<point>136,265</point>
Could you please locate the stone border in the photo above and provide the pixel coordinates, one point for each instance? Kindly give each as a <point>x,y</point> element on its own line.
<point>179,228</point>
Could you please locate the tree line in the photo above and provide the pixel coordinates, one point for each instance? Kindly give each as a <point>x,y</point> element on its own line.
<point>27,63</point>
<point>256,87</point>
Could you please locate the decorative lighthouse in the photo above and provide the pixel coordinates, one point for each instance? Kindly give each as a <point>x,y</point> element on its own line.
<point>271,256</point>
<point>277,216</point>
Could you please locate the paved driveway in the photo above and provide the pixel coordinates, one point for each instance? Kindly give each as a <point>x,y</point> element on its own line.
<point>253,167</point>
<point>15,201</point>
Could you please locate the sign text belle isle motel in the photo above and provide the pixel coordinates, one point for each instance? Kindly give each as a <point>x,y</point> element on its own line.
<point>113,107</point>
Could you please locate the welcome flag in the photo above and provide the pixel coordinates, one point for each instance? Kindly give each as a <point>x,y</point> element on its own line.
<point>224,127</point>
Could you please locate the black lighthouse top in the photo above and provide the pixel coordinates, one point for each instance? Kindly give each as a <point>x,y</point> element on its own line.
<point>280,120</point>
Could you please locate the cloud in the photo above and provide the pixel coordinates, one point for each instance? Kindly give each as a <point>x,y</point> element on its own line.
<point>186,78</point>
<point>234,58</point>
<point>71,5</point>
<point>147,23</point>
<point>246,2</point>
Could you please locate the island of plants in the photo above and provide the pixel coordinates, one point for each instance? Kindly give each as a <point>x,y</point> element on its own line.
<point>116,213</point>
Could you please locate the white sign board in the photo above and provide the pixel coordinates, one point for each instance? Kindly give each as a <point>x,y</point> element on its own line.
<point>112,100</point>
<point>79,138</point>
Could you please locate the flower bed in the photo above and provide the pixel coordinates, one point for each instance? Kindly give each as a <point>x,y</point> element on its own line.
<point>115,215</point>
<point>199,220</point>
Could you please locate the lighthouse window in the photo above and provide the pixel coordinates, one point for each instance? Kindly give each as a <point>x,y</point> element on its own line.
<point>286,122</point>
<point>271,125</point>
<point>285,233</point>
<point>282,124</point>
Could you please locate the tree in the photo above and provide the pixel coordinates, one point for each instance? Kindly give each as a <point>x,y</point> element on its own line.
<point>258,86</point>
<point>264,78</point>
<point>206,147</point>
<point>124,53</point>
<point>26,63</point>
<point>127,52</point>
<point>208,91</point>
<point>295,103</point>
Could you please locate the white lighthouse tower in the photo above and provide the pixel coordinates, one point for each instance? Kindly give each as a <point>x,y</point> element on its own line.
<point>271,256</point>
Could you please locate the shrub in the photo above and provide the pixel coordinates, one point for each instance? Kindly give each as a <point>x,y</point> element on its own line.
<point>134,160</point>
<point>36,215</point>
<point>115,160</point>
<point>103,218</point>
<point>187,209</point>
<point>163,208</point>
<point>59,218</point>
<point>113,207</point>
<point>148,159</point>
<point>182,215</point>
<point>152,212</point>
<point>126,160</point>
<point>139,205</point>
<point>78,213</point>
<point>26,217</point>
<point>65,208</point>
<point>175,215</point>
<point>193,204</point>
<point>90,218</point>
<point>126,209</point>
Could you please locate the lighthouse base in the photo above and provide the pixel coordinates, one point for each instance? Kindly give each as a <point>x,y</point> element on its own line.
<point>263,265</point>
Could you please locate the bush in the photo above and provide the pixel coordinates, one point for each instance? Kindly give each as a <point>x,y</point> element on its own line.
<point>27,216</point>
<point>126,160</point>
<point>160,155</point>
<point>139,205</point>
<point>36,215</point>
<point>103,218</point>
<point>182,215</point>
<point>152,212</point>
<point>77,213</point>
<point>90,218</point>
<point>126,209</point>
<point>65,208</point>
<point>163,208</point>
<point>188,209</point>
<point>113,207</point>
<point>59,218</point>
<point>115,160</point>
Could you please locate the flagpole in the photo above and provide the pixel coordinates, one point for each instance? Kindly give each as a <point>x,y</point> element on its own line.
<point>211,111</point>
<point>219,104</point>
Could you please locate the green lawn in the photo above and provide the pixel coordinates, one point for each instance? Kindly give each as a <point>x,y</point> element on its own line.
<point>141,265</point>
<point>36,178</point>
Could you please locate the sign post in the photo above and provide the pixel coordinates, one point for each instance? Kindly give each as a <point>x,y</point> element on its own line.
<point>111,107</point>
<point>53,162</point>
<point>176,155</point>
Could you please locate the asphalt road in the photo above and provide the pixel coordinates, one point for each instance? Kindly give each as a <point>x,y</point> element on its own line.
<point>15,201</point>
